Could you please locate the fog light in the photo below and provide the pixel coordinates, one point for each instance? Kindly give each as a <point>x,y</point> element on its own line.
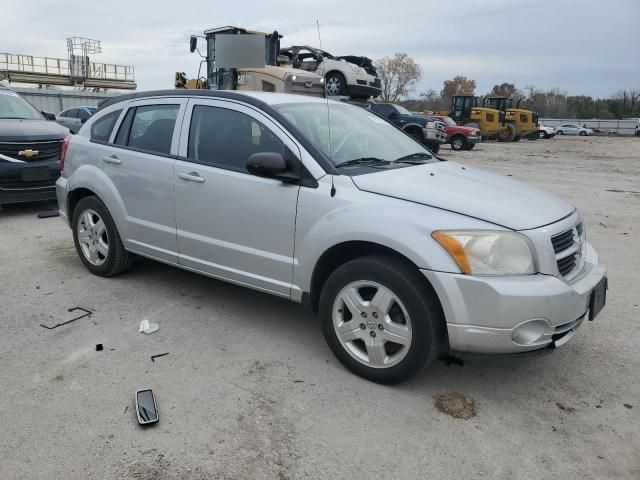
<point>530,332</point>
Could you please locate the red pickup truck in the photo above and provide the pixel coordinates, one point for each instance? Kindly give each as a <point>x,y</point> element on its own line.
<point>459,137</point>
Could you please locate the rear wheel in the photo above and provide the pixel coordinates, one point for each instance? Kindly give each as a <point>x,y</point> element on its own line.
<point>583,133</point>
<point>459,142</point>
<point>508,134</point>
<point>97,240</point>
<point>559,132</point>
<point>379,319</point>
<point>542,134</point>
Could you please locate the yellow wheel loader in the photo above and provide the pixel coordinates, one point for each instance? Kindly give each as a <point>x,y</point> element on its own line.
<point>466,110</point>
<point>525,122</point>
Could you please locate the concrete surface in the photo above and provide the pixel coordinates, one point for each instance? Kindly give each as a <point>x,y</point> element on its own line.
<point>250,390</point>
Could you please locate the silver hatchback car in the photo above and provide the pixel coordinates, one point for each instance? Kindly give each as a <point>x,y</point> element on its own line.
<point>404,256</point>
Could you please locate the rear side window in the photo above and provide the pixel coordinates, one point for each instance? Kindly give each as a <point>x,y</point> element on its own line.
<point>101,128</point>
<point>82,114</point>
<point>149,127</point>
<point>73,113</point>
<point>226,138</point>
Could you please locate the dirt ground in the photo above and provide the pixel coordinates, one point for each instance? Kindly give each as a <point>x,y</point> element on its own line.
<point>249,389</point>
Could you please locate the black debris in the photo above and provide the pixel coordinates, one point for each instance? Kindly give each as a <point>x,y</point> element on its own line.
<point>49,214</point>
<point>85,314</point>
<point>153,357</point>
<point>99,347</point>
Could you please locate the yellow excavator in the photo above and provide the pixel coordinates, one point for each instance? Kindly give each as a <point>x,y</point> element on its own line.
<point>466,110</point>
<point>525,122</point>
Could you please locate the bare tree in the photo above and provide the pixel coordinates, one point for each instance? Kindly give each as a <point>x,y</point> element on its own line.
<point>398,75</point>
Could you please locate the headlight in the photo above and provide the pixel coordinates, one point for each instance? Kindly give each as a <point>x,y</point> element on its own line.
<point>430,125</point>
<point>322,80</point>
<point>488,252</point>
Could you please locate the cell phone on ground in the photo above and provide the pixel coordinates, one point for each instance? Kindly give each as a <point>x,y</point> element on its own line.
<point>146,408</point>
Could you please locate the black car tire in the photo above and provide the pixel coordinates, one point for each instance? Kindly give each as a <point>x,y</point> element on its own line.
<point>340,82</point>
<point>583,133</point>
<point>422,306</point>
<point>542,134</point>
<point>117,260</point>
<point>559,132</point>
<point>459,142</point>
<point>470,146</point>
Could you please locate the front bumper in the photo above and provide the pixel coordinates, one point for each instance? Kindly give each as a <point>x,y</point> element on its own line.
<point>363,91</point>
<point>15,189</point>
<point>482,313</point>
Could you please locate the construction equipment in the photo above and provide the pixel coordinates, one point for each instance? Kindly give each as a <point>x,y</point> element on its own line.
<point>466,110</point>
<point>525,122</point>
<point>240,59</point>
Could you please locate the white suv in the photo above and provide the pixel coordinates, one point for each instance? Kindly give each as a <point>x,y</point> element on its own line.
<point>404,256</point>
<point>342,77</point>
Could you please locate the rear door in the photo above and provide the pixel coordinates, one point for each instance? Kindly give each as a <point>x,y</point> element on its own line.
<point>139,162</point>
<point>231,224</point>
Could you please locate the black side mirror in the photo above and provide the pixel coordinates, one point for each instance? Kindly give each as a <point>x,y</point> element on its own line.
<point>270,165</point>
<point>193,43</point>
<point>47,115</point>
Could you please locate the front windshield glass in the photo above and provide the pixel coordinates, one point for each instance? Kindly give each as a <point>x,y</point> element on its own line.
<point>449,121</point>
<point>14,107</point>
<point>356,133</point>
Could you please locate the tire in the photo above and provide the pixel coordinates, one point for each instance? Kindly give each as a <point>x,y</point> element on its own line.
<point>542,134</point>
<point>470,146</point>
<point>434,147</point>
<point>336,84</point>
<point>459,142</point>
<point>408,300</point>
<point>583,133</point>
<point>92,224</point>
<point>559,132</point>
<point>507,135</point>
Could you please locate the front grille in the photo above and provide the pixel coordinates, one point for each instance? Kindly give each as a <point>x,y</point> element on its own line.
<point>568,249</point>
<point>308,88</point>
<point>46,150</point>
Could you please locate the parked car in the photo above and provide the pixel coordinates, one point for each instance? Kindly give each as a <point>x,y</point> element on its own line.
<point>428,131</point>
<point>342,77</point>
<point>546,132</point>
<point>74,118</point>
<point>573,129</point>
<point>29,150</point>
<point>458,136</point>
<point>404,256</point>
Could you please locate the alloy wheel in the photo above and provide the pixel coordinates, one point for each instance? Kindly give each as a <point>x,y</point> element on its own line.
<point>372,324</point>
<point>334,86</point>
<point>93,237</point>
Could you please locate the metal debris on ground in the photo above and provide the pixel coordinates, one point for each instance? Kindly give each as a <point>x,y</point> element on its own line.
<point>456,405</point>
<point>85,314</point>
<point>147,328</point>
<point>52,213</point>
<point>153,357</point>
<point>99,347</point>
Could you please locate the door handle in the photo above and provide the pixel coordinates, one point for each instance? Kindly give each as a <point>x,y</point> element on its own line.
<point>191,177</point>
<point>111,159</point>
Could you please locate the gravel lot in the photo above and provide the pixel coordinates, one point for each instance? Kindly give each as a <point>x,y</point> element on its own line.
<point>250,390</point>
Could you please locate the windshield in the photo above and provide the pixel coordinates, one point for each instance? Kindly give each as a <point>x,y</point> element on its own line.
<point>356,133</point>
<point>401,110</point>
<point>13,106</point>
<point>449,121</point>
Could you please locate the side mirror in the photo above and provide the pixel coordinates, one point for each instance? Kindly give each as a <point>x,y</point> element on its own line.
<point>270,165</point>
<point>47,115</point>
<point>193,43</point>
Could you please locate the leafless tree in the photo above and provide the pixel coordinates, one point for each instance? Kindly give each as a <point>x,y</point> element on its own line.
<point>398,75</point>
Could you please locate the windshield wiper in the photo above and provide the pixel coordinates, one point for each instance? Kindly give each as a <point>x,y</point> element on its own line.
<point>415,158</point>
<point>362,161</point>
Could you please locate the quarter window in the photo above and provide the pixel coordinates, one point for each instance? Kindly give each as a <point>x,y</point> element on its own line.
<point>226,138</point>
<point>101,128</point>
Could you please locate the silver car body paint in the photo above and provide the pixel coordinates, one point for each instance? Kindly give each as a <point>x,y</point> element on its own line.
<point>269,235</point>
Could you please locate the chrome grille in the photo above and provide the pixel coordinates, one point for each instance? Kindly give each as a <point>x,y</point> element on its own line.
<point>568,249</point>
<point>46,150</point>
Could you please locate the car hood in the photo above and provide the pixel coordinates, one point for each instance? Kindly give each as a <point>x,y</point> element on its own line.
<point>460,128</point>
<point>469,191</point>
<point>12,130</point>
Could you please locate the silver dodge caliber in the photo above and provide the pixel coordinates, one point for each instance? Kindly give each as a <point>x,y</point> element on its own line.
<point>404,256</point>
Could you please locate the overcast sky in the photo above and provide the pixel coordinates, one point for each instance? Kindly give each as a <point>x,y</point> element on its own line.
<point>587,47</point>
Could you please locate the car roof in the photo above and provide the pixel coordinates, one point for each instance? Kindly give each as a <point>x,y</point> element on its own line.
<point>256,98</point>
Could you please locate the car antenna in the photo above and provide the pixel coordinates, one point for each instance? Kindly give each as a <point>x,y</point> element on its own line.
<point>333,186</point>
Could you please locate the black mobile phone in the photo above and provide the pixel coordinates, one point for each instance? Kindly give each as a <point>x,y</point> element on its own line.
<point>146,408</point>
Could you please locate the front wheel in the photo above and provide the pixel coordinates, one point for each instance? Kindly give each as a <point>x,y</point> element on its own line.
<point>97,240</point>
<point>336,84</point>
<point>583,133</point>
<point>379,318</point>
<point>434,147</point>
<point>542,134</point>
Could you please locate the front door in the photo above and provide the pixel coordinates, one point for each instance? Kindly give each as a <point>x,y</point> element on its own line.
<point>231,224</point>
